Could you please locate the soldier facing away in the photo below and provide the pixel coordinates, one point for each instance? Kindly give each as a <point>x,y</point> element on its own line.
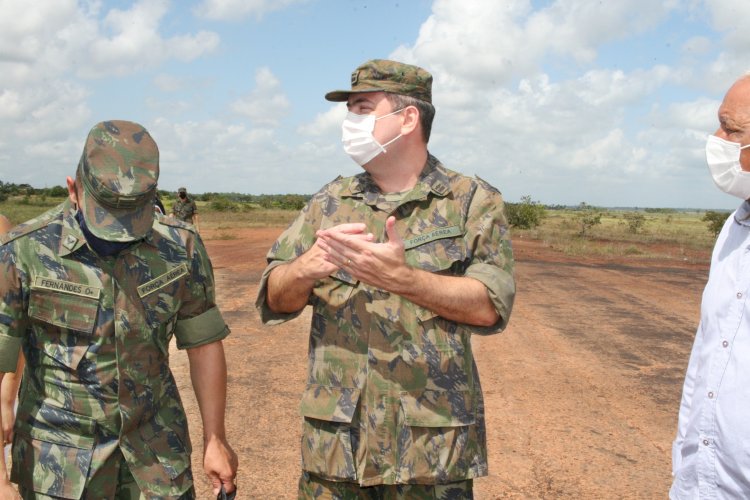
<point>92,292</point>
<point>401,264</point>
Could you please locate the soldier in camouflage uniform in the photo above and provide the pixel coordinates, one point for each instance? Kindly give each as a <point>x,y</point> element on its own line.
<point>402,264</point>
<point>92,292</point>
<point>184,208</point>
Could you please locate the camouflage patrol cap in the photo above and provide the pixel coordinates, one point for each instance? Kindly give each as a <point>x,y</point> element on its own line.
<point>182,190</point>
<point>381,75</point>
<point>118,171</point>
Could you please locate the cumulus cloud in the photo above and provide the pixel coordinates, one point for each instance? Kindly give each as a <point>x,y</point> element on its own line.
<point>234,10</point>
<point>47,53</point>
<point>266,104</point>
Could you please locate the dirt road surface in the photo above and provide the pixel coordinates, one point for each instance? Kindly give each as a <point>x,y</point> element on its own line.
<point>582,389</point>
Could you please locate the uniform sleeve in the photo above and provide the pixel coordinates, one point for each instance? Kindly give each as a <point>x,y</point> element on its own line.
<point>487,234</point>
<point>297,239</point>
<point>12,311</point>
<point>199,320</point>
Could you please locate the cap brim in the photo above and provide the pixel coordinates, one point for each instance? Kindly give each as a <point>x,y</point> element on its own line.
<point>116,224</point>
<point>343,95</point>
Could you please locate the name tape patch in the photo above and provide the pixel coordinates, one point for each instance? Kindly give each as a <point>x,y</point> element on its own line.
<point>80,289</point>
<point>436,234</point>
<point>163,280</point>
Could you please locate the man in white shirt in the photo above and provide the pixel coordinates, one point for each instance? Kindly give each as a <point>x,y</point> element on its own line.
<point>711,454</point>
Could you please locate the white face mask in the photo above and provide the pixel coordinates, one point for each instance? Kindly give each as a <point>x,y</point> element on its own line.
<point>723,158</point>
<point>356,135</point>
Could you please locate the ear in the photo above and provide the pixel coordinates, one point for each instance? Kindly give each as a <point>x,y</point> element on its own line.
<point>410,120</point>
<point>72,192</point>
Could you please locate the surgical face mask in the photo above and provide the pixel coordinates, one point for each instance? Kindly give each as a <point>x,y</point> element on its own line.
<point>723,158</point>
<point>356,135</point>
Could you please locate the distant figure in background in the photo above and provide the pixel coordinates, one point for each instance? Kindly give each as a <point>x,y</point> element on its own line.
<point>711,453</point>
<point>401,264</point>
<point>185,209</point>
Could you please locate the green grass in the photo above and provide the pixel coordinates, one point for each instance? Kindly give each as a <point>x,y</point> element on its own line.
<point>21,208</point>
<point>675,235</point>
<point>684,233</point>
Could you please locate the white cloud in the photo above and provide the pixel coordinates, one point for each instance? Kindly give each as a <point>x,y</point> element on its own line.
<point>134,42</point>
<point>266,104</point>
<point>730,17</point>
<point>234,10</point>
<point>325,124</point>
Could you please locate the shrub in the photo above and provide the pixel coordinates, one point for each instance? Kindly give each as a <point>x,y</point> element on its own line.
<point>715,221</point>
<point>588,219</point>
<point>525,215</point>
<point>222,204</point>
<point>635,221</point>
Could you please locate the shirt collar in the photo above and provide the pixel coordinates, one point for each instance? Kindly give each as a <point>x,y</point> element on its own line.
<point>72,238</point>
<point>742,215</point>
<point>434,178</point>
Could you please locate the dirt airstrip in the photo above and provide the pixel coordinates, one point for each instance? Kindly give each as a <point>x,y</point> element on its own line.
<point>582,389</point>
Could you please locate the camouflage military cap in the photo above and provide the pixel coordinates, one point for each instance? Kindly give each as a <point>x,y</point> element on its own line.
<point>381,75</point>
<point>118,170</point>
<point>182,190</point>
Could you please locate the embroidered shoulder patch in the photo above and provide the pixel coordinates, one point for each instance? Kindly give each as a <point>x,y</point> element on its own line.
<point>80,289</point>
<point>435,234</point>
<point>163,280</point>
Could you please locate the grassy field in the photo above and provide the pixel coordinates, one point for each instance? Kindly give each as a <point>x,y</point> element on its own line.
<point>679,235</point>
<point>662,234</point>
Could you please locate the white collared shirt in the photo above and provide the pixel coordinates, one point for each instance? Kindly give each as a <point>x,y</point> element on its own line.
<point>711,454</point>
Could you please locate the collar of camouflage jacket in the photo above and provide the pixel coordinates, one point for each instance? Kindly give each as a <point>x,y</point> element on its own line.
<point>72,238</point>
<point>433,178</point>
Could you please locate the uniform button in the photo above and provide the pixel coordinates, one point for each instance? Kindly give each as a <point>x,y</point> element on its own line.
<point>705,442</point>
<point>710,395</point>
<point>725,343</point>
<point>739,295</point>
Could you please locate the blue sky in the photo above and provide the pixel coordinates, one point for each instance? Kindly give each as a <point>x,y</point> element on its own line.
<point>567,101</point>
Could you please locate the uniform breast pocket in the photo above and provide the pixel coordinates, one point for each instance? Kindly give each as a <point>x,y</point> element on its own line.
<point>448,254</point>
<point>62,324</point>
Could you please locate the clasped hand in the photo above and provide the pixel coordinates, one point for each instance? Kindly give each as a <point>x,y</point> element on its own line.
<point>350,247</point>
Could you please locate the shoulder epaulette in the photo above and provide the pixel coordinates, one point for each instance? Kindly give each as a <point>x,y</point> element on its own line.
<point>487,185</point>
<point>30,226</point>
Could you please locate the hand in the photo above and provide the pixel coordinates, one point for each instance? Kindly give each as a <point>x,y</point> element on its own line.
<point>382,265</point>
<point>220,464</point>
<point>8,491</point>
<point>8,418</point>
<point>316,262</point>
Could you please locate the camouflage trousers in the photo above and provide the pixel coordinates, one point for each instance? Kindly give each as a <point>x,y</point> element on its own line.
<point>112,481</point>
<point>312,487</point>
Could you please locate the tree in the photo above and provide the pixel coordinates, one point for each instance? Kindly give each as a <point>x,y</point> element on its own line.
<point>588,218</point>
<point>715,221</point>
<point>525,215</point>
<point>635,221</point>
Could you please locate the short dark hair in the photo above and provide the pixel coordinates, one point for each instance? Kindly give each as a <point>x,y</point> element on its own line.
<point>426,110</point>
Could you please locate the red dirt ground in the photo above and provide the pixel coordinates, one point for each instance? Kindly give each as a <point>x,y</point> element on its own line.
<point>582,389</point>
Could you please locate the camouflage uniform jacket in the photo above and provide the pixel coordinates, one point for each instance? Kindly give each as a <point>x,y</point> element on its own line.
<point>95,332</point>
<point>393,393</point>
<point>184,210</point>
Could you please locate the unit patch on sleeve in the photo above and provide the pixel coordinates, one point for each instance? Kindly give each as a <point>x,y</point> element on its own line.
<point>436,234</point>
<point>163,280</point>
